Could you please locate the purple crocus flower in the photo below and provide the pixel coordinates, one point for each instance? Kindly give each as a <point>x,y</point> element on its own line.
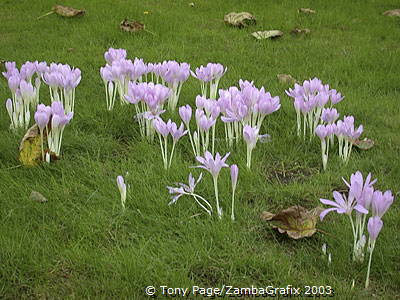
<point>28,69</point>
<point>41,119</point>
<point>176,132</point>
<point>206,123</point>
<point>234,175</point>
<point>335,97</point>
<point>13,82</point>
<point>161,127</point>
<point>185,112</point>
<point>27,90</point>
<point>375,225</point>
<point>114,54</point>
<point>360,190</point>
<point>211,164</point>
<point>250,135</point>
<point>381,202</point>
<point>267,104</point>
<point>329,115</point>
<point>342,205</point>
<point>184,189</point>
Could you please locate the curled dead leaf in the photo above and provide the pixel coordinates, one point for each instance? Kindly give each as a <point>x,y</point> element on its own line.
<point>38,197</point>
<point>297,30</point>
<point>30,151</point>
<point>306,11</point>
<point>296,221</point>
<point>240,20</point>
<point>67,11</point>
<point>269,34</point>
<point>286,79</point>
<point>364,144</point>
<point>131,26</point>
<point>392,13</point>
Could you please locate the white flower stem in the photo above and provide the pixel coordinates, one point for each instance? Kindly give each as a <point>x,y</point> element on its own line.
<point>233,205</point>
<point>216,196</point>
<point>371,250</point>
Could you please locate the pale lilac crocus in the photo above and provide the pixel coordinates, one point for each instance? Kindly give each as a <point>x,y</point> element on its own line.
<point>122,190</point>
<point>234,178</point>
<point>214,166</point>
<point>251,136</point>
<point>176,134</point>
<point>324,132</point>
<point>188,189</point>
<point>209,77</point>
<point>375,225</point>
<point>381,202</point>
<point>185,112</point>
<point>342,205</point>
<point>42,119</point>
<point>59,120</point>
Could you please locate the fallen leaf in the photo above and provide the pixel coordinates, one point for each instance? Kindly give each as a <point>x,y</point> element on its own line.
<point>296,221</point>
<point>71,49</point>
<point>146,12</point>
<point>68,12</point>
<point>30,151</point>
<point>286,79</point>
<point>364,144</point>
<point>38,197</point>
<point>306,11</point>
<point>269,34</point>
<point>240,20</point>
<point>392,13</point>
<point>131,26</point>
<point>297,30</point>
<point>191,4</point>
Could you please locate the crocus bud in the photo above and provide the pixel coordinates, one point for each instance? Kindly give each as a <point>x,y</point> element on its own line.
<point>185,112</point>
<point>374,227</point>
<point>234,175</point>
<point>9,107</point>
<point>41,119</point>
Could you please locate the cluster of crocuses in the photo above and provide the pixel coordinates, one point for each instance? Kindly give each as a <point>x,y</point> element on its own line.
<point>51,121</point>
<point>119,72</point>
<point>148,99</point>
<point>24,93</point>
<point>365,201</point>
<point>309,101</point>
<point>344,130</point>
<point>213,165</point>
<point>209,77</point>
<point>61,79</point>
<point>242,111</point>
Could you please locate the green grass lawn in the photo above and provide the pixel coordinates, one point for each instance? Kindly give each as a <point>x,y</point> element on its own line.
<point>80,245</point>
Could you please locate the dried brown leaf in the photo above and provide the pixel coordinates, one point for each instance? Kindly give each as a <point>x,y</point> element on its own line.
<point>240,20</point>
<point>296,221</point>
<point>269,34</point>
<point>364,144</point>
<point>286,79</point>
<point>297,30</point>
<point>67,11</point>
<point>306,11</point>
<point>392,13</point>
<point>30,151</point>
<point>38,197</point>
<point>131,26</point>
